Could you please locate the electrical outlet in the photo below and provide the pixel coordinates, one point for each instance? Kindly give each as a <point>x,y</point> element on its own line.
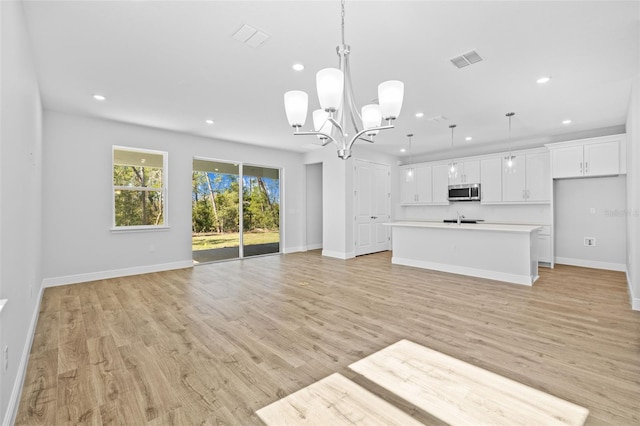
<point>589,241</point>
<point>5,356</point>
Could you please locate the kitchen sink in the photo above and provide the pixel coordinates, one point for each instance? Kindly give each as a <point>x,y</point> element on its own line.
<point>462,220</point>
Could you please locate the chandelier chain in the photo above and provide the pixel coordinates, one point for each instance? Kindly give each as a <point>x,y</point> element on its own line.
<point>342,16</point>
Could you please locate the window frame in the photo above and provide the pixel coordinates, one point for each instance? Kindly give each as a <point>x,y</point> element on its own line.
<point>163,191</point>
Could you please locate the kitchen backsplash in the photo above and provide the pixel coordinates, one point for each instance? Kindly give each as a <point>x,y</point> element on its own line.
<point>508,213</point>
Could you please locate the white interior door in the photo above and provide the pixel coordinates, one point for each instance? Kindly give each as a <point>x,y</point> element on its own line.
<point>371,207</point>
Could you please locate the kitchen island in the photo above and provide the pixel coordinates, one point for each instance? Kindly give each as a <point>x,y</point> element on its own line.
<point>503,252</point>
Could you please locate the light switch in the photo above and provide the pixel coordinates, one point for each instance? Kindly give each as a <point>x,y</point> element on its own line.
<point>592,210</point>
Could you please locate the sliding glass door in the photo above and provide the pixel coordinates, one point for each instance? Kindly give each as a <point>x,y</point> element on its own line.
<point>235,210</point>
<point>215,222</point>
<point>261,210</point>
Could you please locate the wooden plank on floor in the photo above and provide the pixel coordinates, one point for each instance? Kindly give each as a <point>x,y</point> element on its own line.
<point>460,393</point>
<point>334,400</point>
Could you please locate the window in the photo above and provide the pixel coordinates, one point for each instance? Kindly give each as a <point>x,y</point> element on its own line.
<point>139,188</point>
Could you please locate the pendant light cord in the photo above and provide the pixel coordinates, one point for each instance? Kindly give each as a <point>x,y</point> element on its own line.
<point>453,126</point>
<point>510,114</point>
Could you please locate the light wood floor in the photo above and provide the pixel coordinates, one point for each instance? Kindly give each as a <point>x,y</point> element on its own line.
<point>213,344</point>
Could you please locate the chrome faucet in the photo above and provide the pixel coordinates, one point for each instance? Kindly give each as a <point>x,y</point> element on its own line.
<point>460,216</point>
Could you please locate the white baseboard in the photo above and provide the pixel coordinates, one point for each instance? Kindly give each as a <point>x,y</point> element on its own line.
<point>635,301</point>
<point>621,267</point>
<point>14,399</point>
<point>338,254</point>
<point>314,246</point>
<point>463,270</point>
<point>114,273</point>
<point>287,250</point>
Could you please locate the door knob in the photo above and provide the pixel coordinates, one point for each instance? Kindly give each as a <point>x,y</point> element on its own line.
<point>374,217</point>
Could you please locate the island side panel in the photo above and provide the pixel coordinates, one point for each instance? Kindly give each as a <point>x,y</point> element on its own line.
<point>500,255</point>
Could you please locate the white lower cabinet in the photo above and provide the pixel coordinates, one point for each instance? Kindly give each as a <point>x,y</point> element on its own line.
<point>544,244</point>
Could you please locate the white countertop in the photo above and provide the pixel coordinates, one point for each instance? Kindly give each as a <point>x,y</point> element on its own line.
<point>468,226</point>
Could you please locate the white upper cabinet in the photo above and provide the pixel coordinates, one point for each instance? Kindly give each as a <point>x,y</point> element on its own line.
<point>602,159</point>
<point>491,180</point>
<point>407,185</point>
<point>530,182</point>
<point>538,177</point>
<point>416,185</point>
<point>514,182</point>
<point>468,172</point>
<point>589,157</point>
<point>441,184</point>
<point>424,185</point>
<point>567,162</point>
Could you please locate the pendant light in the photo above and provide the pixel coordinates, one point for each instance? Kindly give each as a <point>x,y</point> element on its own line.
<point>510,160</point>
<point>410,172</point>
<point>453,166</point>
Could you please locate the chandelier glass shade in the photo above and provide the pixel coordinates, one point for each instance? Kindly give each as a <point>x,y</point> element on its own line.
<point>338,107</point>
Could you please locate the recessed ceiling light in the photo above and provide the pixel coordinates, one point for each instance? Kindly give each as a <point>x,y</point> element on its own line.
<point>297,67</point>
<point>215,169</point>
<point>468,138</point>
<point>403,150</point>
<point>143,160</point>
<point>419,114</point>
<point>566,121</point>
<point>99,97</point>
<point>209,121</point>
<point>543,80</point>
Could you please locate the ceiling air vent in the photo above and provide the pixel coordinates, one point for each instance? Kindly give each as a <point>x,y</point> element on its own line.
<point>437,119</point>
<point>466,59</point>
<point>250,36</point>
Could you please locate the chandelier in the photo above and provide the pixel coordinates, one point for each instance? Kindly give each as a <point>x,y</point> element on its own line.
<point>337,105</point>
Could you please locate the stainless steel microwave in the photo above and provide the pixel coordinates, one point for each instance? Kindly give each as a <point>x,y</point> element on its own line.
<point>465,192</point>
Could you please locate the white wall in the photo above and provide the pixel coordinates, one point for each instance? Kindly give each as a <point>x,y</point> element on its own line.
<point>313,195</point>
<point>78,243</point>
<point>20,198</point>
<point>337,194</point>
<point>633,195</point>
<point>333,200</point>
<point>574,220</point>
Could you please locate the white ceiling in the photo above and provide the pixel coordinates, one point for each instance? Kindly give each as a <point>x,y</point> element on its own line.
<point>174,64</point>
